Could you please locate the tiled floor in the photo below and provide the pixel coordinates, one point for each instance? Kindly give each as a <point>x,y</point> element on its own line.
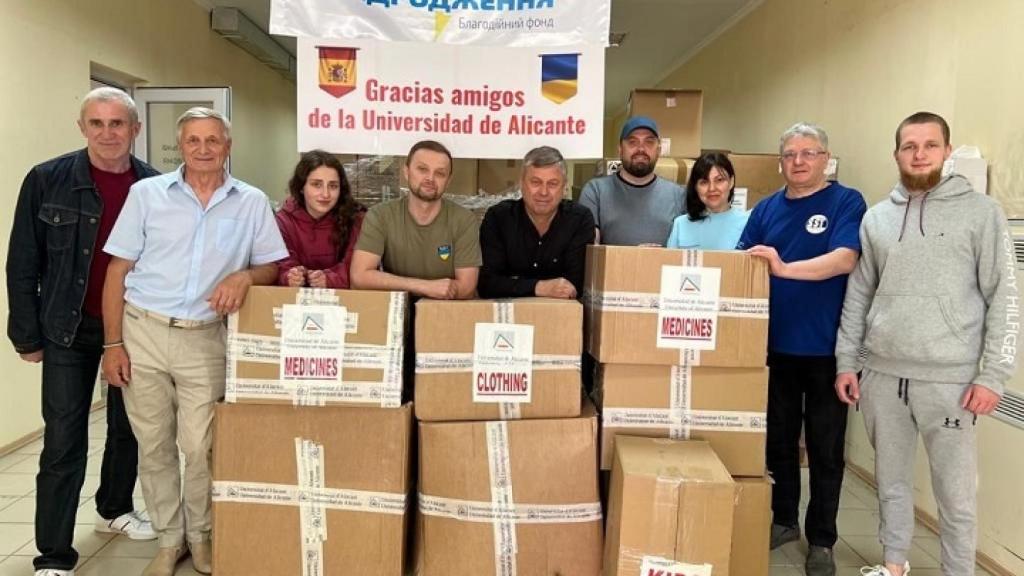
<point>104,555</point>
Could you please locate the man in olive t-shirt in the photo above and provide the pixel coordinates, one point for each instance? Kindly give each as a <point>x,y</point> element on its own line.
<point>428,246</point>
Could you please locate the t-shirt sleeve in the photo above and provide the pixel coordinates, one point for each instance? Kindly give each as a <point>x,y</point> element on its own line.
<point>467,241</point>
<point>128,237</point>
<point>372,237</point>
<point>588,198</point>
<point>752,235</point>
<point>846,231</point>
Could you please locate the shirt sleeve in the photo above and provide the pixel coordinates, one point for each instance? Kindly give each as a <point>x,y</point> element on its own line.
<point>752,234</point>
<point>589,200</point>
<point>467,241</point>
<point>576,254</point>
<point>372,237</point>
<point>495,281</point>
<point>673,237</point>
<point>846,228</point>
<point>267,244</point>
<point>128,237</point>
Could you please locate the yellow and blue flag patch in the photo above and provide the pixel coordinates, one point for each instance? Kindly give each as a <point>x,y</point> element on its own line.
<point>559,76</point>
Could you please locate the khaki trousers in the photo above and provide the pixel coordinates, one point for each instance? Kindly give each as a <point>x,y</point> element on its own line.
<point>177,376</point>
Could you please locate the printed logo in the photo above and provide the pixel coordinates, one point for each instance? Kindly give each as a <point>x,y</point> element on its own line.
<point>817,224</point>
<point>504,340</point>
<point>444,252</point>
<point>952,424</point>
<point>689,284</point>
<point>337,74</point>
<point>313,323</point>
<point>559,75</point>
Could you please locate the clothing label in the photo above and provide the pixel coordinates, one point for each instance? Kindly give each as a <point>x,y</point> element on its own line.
<point>657,566</point>
<point>312,345</point>
<point>503,363</point>
<point>688,307</point>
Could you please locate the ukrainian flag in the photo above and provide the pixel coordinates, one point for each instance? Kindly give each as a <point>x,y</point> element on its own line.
<point>337,70</point>
<point>559,74</point>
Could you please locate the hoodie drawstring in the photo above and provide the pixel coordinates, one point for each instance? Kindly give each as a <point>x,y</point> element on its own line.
<point>920,216</point>
<point>903,390</point>
<point>906,211</point>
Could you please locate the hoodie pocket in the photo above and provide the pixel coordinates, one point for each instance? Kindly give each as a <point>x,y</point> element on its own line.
<point>920,328</point>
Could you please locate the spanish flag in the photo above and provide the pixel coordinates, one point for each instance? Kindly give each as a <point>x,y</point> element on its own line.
<point>559,76</point>
<point>337,70</point>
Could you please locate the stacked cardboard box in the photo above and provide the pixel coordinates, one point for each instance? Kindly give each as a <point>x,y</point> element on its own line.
<point>503,498</point>
<point>678,114</point>
<point>310,490</point>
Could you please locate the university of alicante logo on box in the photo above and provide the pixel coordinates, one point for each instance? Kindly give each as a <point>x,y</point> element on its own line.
<point>337,70</point>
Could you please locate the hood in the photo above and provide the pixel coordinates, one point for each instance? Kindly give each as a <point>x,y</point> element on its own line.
<point>299,214</point>
<point>951,187</point>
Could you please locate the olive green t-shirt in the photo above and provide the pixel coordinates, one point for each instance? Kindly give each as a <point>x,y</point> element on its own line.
<point>428,252</point>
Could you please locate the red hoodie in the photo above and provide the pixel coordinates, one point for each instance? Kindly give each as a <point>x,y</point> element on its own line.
<point>312,244</point>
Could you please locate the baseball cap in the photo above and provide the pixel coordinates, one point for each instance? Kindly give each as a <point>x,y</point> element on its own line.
<point>636,123</point>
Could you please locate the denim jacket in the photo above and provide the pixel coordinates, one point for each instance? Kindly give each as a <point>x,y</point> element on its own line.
<point>51,249</point>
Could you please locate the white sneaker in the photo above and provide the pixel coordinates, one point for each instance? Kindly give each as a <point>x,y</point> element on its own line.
<point>133,525</point>
<point>54,572</point>
<point>881,570</point>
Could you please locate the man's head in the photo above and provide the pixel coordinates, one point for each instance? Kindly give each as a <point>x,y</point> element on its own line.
<point>543,182</point>
<point>428,168</point>
<point>639,146</point>
<point>110,122</point>
<point>922,146</point>
<point>803,153</point>
<point>204,139</point>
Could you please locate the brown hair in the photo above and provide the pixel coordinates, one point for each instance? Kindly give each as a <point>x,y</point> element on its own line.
<point>433,146</point>
<point>924,118</point>
<point>346,210</point>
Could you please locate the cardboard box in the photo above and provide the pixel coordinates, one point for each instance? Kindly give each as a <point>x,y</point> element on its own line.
<point>516,497</point>
<point>499,176</point>
<point>725,406</point>
<point>670,508</point>
<point>661,306</point>
<point>324,486</point>
<point>498,360</point>
<point>318,364</point>
<point>751,527</point>
<point>673,169</point>
<point>759,174</point>
<point>678,114</point>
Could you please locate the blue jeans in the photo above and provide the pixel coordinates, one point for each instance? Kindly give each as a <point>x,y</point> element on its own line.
<point>69,377</point>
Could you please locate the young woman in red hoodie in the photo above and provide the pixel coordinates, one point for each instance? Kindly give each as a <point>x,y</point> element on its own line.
<point>320,222</point>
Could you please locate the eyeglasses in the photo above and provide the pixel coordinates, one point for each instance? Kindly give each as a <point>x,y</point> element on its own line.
<point>805,155</point>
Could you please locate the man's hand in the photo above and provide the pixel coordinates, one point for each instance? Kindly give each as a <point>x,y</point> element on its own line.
<point>117,368</point>
<point>848,388</point>
<point>229,295</point>
<point>317,278</point>
<point>555,288</point>
<point>33,357</point>
<point>980,400</point>
<point>296,277</point>
<point>777,266</point>
<point>441,289</point>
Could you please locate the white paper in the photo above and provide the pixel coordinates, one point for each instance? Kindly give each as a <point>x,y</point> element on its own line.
<point>503,363</point>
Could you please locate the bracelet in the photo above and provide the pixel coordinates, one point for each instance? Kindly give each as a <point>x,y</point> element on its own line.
<point>113,344</point>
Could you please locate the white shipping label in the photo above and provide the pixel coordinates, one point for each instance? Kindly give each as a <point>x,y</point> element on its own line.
<point>503,363</point>
<point>688,307</point>
<point>655,566</point>
<point>739,198</point>
<point>312,344</point>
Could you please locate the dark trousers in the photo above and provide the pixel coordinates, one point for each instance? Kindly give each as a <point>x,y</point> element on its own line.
<point>69,377</point>
<point>801,392</point>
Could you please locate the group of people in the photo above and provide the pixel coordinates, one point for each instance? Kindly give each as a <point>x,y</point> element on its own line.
<point>862,301</point>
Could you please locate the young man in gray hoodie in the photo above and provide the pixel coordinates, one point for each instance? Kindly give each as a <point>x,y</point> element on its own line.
<point>934,303</point>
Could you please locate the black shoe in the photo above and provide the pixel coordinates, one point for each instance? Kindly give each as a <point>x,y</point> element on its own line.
<point>783,535</point>
<point>820,561</point>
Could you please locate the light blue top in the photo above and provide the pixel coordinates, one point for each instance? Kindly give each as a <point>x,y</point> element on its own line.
<point>719,231</point>
<point>181,251</point>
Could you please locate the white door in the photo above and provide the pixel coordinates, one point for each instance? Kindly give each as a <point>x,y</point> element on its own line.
<point>159,109</point>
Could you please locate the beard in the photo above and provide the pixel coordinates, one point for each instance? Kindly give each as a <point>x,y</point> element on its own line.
<point>424,195</point>
<point>920,183</point>
<point>639,165</point>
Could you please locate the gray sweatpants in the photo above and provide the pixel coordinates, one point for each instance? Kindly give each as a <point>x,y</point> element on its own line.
<point>895,411</point>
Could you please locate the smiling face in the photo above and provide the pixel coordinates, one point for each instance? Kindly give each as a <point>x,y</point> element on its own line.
<point>321,192</point>
<point>922,151</point>
<point>639,152</point>
<point>714,190</point>
<point>542,189</point>
<point>428,173</point>
<point>804,160</point>
<point>204,145</point>
<point>109,132</point>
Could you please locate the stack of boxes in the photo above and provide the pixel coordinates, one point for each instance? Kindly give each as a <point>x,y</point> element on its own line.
<point>508,453</point>
<point>680,340</point>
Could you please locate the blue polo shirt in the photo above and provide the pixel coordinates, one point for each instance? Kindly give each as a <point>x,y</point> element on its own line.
<point>181,250</point>
<point>805,314</point>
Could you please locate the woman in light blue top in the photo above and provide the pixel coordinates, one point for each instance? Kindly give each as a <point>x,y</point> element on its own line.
<point>710,223</point>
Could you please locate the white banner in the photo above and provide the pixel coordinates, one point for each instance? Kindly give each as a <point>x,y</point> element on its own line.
<point>526,23</point>
<point>369,97</point>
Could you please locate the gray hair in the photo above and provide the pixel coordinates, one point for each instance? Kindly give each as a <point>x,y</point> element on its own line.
<point>544,156</point>
<point>200,113</point>
<point>110,94</point>
<point>805,129</point>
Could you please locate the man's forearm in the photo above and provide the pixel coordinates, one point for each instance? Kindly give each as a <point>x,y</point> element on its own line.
<point>113,304</point>
<point>379,280</point>
<point>264,274</point>
<point>835,263</point>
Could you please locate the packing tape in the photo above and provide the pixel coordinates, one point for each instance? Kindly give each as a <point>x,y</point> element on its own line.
<point>230,362</point>
<point>500,472</point>
<point>397,305</point>
<point>693,258</point>
<point>478,511</point>
<point>688,420</point>
<point>292,495</point>
<point>316,296</point>
<point>315,394</point>
<point>648,302</point>
<point>266,349</point>
<point>509,411</point>
<point>679,401</point>
<point>309,458</point>
<point>453,362</point>
<point>504,313</point>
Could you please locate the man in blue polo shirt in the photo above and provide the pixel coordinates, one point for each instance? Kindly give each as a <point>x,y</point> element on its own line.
<point>808,233</point>
<point>186,248</point>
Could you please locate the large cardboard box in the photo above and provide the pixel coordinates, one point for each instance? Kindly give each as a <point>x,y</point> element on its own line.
<point>317,490</point>
<point>660,306</point>
<point>751,527</point>
<point>499,176</point>
<point>725,406</point>
<point>673,169</point>
<point>678,114</point>
<point>340,347</point>
<point>498,359</point>
<point>516,497</point>
<point>758,174</point>
<point>670,508</point>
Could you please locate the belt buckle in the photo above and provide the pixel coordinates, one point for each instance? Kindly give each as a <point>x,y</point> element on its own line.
<point>173,323</point>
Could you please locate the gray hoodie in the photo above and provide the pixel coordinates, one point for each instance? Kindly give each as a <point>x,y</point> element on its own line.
<point>934,296</point>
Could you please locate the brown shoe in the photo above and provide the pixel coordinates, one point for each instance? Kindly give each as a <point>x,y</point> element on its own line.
<point>202,557</point>
<point>165,561</point>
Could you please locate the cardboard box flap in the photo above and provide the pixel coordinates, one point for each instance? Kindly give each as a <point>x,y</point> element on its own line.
<point>452,323</point>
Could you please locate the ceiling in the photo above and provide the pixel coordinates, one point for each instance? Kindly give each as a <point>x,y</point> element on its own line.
<point>660,35</point>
